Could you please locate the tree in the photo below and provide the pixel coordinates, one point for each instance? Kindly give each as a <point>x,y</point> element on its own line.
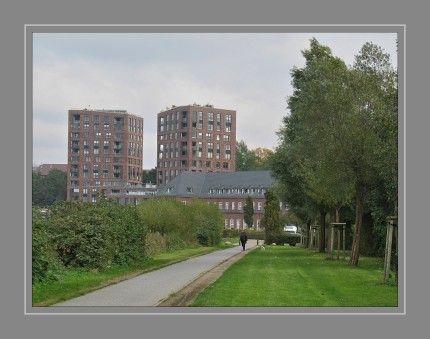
<point>319,94</point>
<point>332,139</point>
<point>262,156</point>
<point>271,219</point>
<point>50,188</point>
<point>149,176</point>
<point>248,212</point>
<point>375,110</point>
<point>245,158</point>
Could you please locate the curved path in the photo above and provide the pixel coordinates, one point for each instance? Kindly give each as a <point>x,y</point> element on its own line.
<point>149,289</point>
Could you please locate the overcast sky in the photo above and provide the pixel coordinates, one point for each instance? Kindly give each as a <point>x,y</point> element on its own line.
<point>145,73</point>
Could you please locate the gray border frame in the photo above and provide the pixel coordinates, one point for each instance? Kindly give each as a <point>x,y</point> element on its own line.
<point>399,29</point>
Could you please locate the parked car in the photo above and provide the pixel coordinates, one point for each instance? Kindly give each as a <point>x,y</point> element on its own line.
<point>290,229</point>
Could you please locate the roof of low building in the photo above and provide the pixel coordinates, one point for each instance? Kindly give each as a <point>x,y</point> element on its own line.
<point>44,169</point>
<point>218,184</point>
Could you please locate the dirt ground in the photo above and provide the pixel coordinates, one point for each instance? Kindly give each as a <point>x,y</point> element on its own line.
<point>188,294</point>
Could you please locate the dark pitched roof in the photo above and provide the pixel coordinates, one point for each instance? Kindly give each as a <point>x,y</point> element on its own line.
<point>214,184</point>
<point>44,169</point>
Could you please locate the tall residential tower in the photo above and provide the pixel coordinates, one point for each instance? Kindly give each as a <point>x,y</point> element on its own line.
<point>195,138</point>
<point>105,152</point>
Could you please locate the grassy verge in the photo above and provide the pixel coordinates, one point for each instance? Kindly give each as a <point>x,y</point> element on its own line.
<point>293,277</point>
<point>74,283</point>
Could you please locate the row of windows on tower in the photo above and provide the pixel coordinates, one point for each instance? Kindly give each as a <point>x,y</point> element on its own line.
<point>193,163</point>
<point>107,135</point>
<point>174,122</point>
<point>195,135</point>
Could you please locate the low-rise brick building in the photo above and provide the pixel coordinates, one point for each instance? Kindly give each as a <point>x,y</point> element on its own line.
<point>228,190</point>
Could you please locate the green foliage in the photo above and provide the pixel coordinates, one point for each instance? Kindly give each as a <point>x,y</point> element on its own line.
<point>252,234</point>
<point>181,224</point>
<point>251,159</point>
<point>271,219</point>
<point>340,139</point>
<point>155,244</point>
<point>288,238</point>
<point>46,190</point>
<point>90,236</point>
<point>248,212</point>
<point>46,264</point>
<point>207,221</point>
<point>149,176</point>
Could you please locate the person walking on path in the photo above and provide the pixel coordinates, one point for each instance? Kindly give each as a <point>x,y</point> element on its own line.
<point>243,239</point>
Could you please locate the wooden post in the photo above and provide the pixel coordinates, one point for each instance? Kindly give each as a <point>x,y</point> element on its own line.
<point>338,226</point>
<point>388,244</point>
<point>330,248</point>
<point>338,243</point>
<point>344,252</point>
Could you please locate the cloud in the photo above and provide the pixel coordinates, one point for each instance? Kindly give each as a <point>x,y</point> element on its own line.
<point>145,73</point>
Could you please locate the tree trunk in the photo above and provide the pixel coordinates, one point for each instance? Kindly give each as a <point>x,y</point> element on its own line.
<point>308,232</point>
<point>355,250</point>
<point>322,230</point>
<point>330,238</point>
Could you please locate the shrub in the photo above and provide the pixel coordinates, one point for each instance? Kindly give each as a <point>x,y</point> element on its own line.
<point>46,264</point>
<point>230,233</point>
<point>128,233</point>
<point>155,244</point>
<point>288,238</point>
<point>97,235</point>
<point>208,233</point>
<point>208,223</point>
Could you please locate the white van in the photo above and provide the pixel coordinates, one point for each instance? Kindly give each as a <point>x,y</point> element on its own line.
<point>290,228</point>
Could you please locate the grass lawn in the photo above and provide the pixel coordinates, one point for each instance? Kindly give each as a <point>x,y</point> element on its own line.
<point>292,276</point>
<point>74,283</point>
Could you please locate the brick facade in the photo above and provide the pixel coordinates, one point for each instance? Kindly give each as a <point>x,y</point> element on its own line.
<point>195,138</point>
<point>105,152</point>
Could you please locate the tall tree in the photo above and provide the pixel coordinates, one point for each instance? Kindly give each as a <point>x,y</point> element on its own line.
<point>333,135</point>
<point>248,212</point>
<point>245,158</point>
<point>375,114</point>
<point>271,219</point>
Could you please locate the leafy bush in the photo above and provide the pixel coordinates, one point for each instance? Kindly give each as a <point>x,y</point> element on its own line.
<point>208,223</point>
<point>288,238</point>
<point>183,225</point>
<point>96,235</point>
<point>155,244</point>
<point>128,233</point>
<point>46,264</point>
<point>230,233</point>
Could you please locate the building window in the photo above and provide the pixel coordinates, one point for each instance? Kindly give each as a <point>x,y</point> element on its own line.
<point>239,223</point>
<point>226,205</point>
<point>239,206</point>
<point>231,223</point>
<point>259,205</point>
<point>220,205</point>
<point>233,205</point>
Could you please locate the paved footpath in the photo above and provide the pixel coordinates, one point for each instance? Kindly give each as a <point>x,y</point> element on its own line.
<point>150,288</point>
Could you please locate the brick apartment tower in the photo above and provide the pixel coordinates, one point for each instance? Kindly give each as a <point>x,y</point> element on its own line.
<point>105,152</point>
<point>195,138</point>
